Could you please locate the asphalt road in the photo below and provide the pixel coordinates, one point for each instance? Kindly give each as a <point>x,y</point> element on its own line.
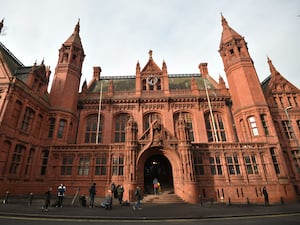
<point>289,219</point>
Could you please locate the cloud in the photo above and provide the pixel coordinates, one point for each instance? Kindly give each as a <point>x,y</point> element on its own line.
<point>117,33</point>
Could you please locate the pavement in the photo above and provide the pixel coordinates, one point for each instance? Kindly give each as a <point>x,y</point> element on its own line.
<point>149,211</point>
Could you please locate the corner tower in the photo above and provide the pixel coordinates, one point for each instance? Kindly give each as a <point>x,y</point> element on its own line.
<point>65,87</point>
<point>249,106</point>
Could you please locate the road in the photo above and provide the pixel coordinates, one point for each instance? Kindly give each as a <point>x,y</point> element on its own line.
<point>290,219</point>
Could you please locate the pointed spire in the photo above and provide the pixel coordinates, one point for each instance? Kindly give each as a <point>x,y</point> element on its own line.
<point>228,33</point>
<point>77,28</point>
<point>221,82</point>
<point>75,38</point>
<point>273,70</point>
<point>224,21</point>
<point>138,67</point>
<point>1,24</point>
<point>164,66</point>
<point>150,54</point>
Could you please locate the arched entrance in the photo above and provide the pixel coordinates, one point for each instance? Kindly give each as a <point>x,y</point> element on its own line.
<point>157,166</point>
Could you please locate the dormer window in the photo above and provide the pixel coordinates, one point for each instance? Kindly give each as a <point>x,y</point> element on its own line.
<point>231,51</point>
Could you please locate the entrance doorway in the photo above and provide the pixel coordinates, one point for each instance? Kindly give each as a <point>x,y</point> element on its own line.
<point>158,166</point>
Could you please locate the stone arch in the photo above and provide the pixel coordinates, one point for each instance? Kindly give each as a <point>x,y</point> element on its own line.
<point>169,158</point>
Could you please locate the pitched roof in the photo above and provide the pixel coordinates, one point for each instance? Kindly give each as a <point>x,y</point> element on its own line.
<point>127,83</point>
<point>9,59</point>
<point>75,38</point>
<point>228,33</point>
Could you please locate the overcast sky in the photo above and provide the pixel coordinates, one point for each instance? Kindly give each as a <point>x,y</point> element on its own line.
<point>117,33</point>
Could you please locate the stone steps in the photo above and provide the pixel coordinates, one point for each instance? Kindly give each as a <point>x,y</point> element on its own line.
<point>166,197</point>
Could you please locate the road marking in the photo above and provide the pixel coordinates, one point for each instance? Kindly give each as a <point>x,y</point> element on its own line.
<point>145,219</point>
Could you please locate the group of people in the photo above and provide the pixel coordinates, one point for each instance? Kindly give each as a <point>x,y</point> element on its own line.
<point>60,197</point>
<point>113,192</point>
<point>156,186</point>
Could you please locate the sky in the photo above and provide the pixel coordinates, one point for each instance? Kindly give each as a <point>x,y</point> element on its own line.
<point>116,34</point>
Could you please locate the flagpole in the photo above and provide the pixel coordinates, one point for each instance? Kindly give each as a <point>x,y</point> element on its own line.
<point>99,114</point>
<point>211,112</point>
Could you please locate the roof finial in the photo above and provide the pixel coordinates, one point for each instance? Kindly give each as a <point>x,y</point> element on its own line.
<point>224,21</point>
<point>1,24</point>
<point>77,28</point>
<point>150,54</point>
<point>273,70</point>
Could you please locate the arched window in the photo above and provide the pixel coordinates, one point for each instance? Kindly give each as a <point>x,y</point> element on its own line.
<point>101,165</point>
<point>215,127</point>
<point>253,125</point>
<point>27,120</point>
<point>120,124</point>
<point>17,159</point>
<point>149,118</point>
<point>83,165</point>
<point>118,165</point>
<point>61,128</point>
<point>44,161</point>
<point>188,121</point>
<point>51,125</point>
<point>91,129</point>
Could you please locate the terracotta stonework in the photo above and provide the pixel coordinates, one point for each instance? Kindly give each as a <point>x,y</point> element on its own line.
<point>200,139</point>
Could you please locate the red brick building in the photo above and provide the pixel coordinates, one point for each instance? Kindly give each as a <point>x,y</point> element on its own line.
<point>188,130</point>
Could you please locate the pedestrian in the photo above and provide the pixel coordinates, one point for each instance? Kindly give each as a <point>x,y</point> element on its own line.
<point>107,203</point>
<point>112,188</point>
<point>138,196</point>
<point>92,193</point>
<point>155,186</point>
<point>31,197</point>
<point>47,200</point>
<point>266,195</point>
<point>120,191</point>
<point>158,188</point>
<point>60,195</point>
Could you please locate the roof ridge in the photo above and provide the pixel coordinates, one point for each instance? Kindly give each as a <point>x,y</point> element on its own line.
<point>134,76</point>
<point>11,54</point>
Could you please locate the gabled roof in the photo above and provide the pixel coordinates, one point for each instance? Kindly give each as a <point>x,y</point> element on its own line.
<point>127,83</point>
<point>228,33</point>
<point>276,83</point>
<point>9,60</point>
<point>151,66</point>
<point>74,39</point>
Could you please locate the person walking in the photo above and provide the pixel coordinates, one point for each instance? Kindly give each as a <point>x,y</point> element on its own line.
<point>60,195</point>
<point>92,193</point>
<point>138,196</point>
<point>120,191</point>
<point>155,186</point>
<point>47,200</point>
<point>266,196</point>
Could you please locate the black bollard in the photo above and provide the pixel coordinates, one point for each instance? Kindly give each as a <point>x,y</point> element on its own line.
<point>248,201</point>
<point>229,201</point>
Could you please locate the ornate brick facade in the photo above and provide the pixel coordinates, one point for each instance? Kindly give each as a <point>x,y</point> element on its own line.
<point>196,136</point>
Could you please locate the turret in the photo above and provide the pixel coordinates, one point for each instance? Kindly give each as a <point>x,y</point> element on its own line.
<point>65,87</point>
<point>241,75</point>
